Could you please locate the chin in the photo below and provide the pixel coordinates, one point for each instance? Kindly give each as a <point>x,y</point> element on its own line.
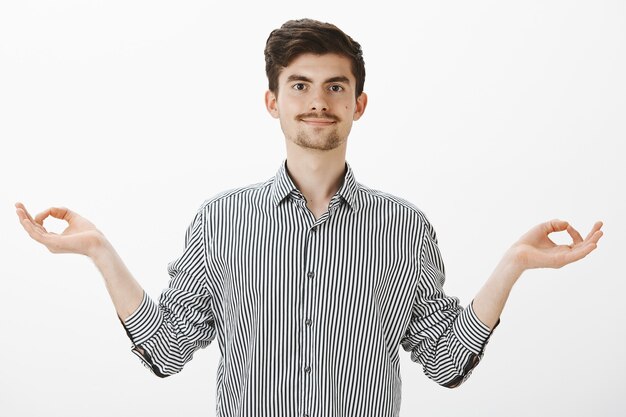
<point>326,142</point>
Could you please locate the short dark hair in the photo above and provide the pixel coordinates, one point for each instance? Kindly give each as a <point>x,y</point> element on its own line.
<point>297,37</point>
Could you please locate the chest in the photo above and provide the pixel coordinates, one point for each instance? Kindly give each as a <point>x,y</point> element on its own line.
<point>277,271</point>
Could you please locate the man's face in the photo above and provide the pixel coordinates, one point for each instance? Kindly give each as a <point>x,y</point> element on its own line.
<point>315,101</point>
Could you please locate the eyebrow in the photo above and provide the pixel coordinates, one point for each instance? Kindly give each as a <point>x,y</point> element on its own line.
<point>338,79</point>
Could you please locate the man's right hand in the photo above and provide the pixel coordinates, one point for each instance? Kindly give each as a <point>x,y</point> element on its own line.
<point>80,236</point>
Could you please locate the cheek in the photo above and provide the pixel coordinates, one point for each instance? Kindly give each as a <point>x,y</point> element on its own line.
<point>288,104</point>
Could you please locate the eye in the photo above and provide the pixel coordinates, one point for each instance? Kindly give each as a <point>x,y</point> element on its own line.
<point>299,86</point>
<point>336,88</point>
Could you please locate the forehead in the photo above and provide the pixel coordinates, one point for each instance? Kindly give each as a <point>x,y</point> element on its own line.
<point>318,67</point>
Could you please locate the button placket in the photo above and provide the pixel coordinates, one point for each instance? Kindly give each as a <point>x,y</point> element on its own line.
<point>307,311</point>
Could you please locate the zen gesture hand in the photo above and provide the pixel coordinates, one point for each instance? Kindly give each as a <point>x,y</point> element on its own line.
<point>80,236</point>
<point>536,250</point>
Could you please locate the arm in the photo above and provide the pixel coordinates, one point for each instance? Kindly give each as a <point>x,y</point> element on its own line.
<point>165,334</point>
<point>448,340</point>
<point>533,250</point>
<point>445,338</point>
<point>82,237</point>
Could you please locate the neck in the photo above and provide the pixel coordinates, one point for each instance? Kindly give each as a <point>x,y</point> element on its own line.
<point>317,174</point>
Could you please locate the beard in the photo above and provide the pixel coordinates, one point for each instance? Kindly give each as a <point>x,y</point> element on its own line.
<point>319,139</point>
<point>323,143</point>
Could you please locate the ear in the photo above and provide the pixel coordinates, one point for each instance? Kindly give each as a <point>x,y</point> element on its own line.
<point>270,104</point>
<point>361,104</point>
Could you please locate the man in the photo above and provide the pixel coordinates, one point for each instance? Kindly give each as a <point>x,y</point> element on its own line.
<point>310,281</point>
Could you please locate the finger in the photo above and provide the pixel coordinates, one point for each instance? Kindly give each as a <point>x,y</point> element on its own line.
<point>593,239</point>
<point>576,237</point>
<point>555,225</point>
<point>61,213</point>
<point>34,232</point>
<point>27,219</point>
<point>597,226</point>
<point>20,207</point>
<point>579,253</point>
<point>51,241</point>
<point>568,255</point>
<point>22,215</point>
<point>582,250</point>
<point>40,217</point>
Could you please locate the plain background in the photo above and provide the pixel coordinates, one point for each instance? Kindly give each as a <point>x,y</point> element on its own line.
<point>490,116</point>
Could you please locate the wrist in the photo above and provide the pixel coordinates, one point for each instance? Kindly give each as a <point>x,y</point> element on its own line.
<point>511,265</point>
<point>518,256</point>
<point>99,248</point>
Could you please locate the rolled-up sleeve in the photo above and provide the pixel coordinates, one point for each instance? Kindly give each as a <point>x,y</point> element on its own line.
<point>445,338</point>
<point>166,334</point>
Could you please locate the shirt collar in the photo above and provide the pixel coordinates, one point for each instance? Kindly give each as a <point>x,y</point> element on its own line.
<point>284,186</point>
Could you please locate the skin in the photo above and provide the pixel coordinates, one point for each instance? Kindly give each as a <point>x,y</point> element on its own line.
<point>316,106</point>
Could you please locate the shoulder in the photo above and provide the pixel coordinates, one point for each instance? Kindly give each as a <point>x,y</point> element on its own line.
<point>371,197</point>
<point>254,191</point>
<point>392,205</point>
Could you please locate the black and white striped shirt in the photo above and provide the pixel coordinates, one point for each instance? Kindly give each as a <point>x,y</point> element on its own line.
<point>309,314</point>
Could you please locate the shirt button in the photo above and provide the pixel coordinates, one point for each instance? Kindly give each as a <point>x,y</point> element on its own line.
<point>310,274</point>
<point>313,230</point>
<point>307,369</point>
<point>309,322</point>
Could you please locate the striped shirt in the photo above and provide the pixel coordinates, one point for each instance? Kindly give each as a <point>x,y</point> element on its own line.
<point>309,313</point>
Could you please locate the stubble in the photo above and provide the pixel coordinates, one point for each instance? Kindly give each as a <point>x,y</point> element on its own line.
<point>329,142</point>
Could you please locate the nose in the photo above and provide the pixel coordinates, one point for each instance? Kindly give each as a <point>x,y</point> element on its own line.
<point>318,101</point>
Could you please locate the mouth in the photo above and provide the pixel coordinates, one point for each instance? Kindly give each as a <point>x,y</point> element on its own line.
<point>318,122</point>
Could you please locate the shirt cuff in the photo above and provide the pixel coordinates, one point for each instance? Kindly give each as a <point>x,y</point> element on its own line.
<point>144,322</point>
<point>471,332</point>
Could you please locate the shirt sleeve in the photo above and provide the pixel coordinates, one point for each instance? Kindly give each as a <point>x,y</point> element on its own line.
<point>446,339</point>
<point>166,334</point>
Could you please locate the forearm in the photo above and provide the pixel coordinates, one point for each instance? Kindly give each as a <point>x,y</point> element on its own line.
<point>490,300</point>
<point>125,291</point>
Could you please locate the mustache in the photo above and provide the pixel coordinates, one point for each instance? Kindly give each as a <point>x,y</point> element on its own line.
<point>318,116</point>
